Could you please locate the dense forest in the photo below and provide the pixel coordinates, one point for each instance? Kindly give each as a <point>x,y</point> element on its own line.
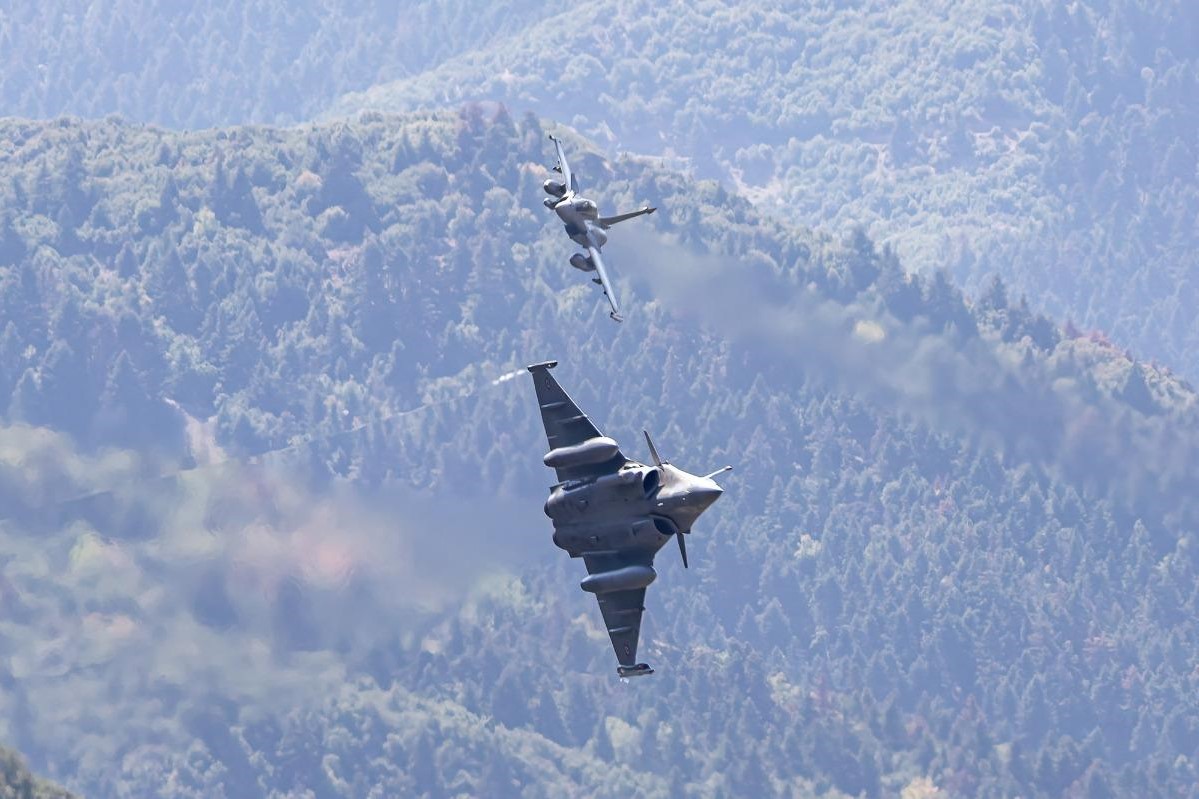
<point>17,783</point>
<point>194,65</point>
<point>270,479</point>
<point>1051,143</point>
<point>956,556</point>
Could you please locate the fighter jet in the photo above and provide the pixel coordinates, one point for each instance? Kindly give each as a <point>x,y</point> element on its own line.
<point>584,225</point>
<point>614,512</point>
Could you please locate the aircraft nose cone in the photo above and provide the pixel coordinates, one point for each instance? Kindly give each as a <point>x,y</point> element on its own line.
<point>706,493</point>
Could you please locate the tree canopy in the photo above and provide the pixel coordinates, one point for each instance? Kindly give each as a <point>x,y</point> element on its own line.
<point>956,554</point>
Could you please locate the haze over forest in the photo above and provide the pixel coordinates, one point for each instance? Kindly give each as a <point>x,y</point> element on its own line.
<point>270,464</point>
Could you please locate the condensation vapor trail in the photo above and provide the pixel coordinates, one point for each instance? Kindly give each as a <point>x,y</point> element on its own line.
<point>260,457</point>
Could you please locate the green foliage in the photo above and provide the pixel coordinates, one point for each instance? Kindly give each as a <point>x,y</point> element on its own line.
<point>222,63</point>
<point>17,783</point>
<point>1022,137</point>
<point>956,552</point>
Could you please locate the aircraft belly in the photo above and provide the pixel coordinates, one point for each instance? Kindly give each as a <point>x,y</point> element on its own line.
<point>575,225</point>
<point>634,535</point>
<point>578,539</point>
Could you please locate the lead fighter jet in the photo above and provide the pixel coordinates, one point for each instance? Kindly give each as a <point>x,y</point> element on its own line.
<point>584,225</point>
<point>614,512</point>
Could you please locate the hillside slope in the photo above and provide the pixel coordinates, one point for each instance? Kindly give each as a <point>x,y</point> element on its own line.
<point>16,781</point>
<point>956,552</point>
<point>1049,143</point>
<point>195,65</point>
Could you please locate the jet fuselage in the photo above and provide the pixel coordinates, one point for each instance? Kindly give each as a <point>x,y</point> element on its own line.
<point>575,213</point>
<point>638,508</point>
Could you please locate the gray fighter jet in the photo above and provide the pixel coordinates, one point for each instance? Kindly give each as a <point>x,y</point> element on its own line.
<point>614,512</point>
<point>584,225</point>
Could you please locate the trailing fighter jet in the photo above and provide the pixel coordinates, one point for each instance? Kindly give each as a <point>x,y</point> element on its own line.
<point>614,512</point>
<point>584,225</point>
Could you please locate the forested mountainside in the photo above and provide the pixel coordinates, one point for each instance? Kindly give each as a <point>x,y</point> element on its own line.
<point>17,783</point>
<point>1048,142</point>
<point>194,65</point>
<point>1051,143</point>
<point>957,553</point>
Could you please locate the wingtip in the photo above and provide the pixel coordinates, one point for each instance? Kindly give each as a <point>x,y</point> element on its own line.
<point>637,670</point>
<point>543,365</point>
<point>615,316</point>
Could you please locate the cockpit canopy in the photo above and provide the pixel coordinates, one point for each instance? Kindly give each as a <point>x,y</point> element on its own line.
<point>586,208</point>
